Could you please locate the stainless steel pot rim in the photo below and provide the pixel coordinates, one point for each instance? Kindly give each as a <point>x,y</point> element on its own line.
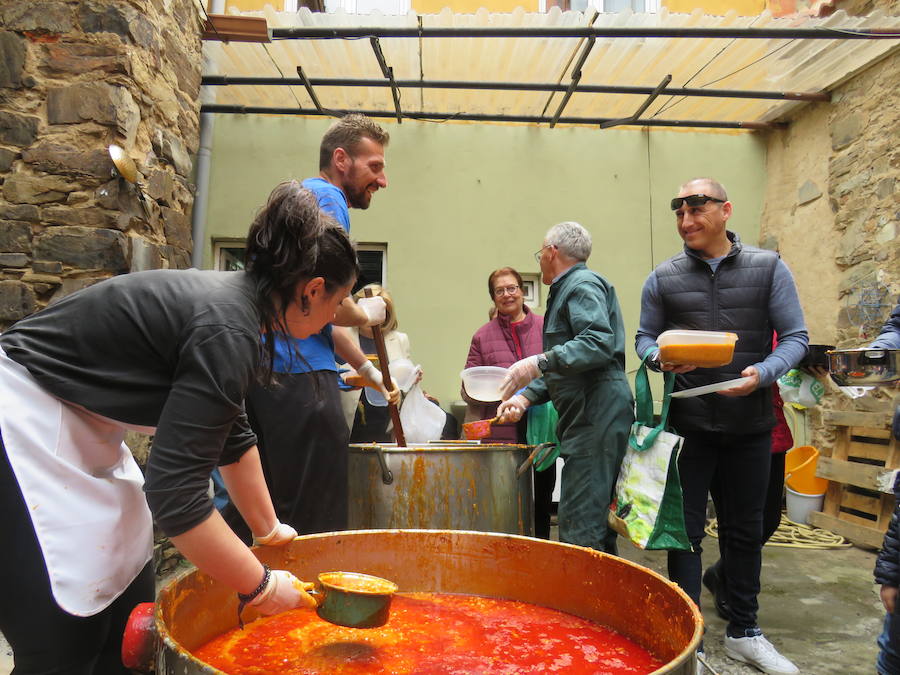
<point>862,350</point>
<point>439,447</point>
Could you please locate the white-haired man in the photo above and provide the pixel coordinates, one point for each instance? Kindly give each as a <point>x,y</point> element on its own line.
<point>582,370</point>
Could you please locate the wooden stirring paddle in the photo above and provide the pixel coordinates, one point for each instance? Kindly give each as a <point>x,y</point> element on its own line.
<point>386,376</point>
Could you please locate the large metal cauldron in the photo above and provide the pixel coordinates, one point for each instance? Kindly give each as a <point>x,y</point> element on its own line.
<point>631,599</point>
<point>450,486</point>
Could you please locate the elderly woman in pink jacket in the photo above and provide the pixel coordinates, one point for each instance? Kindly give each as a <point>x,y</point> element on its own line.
<point>513,333</point>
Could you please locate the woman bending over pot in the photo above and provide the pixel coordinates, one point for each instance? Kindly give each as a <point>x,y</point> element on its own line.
<point>170,353</point>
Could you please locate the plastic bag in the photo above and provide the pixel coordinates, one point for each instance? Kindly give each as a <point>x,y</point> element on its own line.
<point>404,373</point>
<point>422,420</point>
<point>800,389</point>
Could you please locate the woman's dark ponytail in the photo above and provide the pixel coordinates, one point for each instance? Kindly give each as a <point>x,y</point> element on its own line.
<point>290,241</point>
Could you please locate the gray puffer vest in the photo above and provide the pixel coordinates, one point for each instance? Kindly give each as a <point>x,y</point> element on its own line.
<point>736,299</point>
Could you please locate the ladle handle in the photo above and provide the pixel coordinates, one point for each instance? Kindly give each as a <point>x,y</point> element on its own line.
<point>386,376</point>
<point>317,594</point>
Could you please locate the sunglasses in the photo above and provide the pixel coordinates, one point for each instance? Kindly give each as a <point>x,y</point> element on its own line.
<point>693,200</point>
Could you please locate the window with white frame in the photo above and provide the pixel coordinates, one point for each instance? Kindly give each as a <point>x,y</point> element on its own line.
<point>531,290</point>
<point>372,263</point>
<point>606,6</point>
<point>229,255</point>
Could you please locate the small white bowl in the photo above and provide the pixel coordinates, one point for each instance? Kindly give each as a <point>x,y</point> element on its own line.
<point>482,383</point>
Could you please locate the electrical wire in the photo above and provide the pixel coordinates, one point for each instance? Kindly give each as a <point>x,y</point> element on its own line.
<point>794,535</point>
<point>274,63</point>
<point>203,9</point>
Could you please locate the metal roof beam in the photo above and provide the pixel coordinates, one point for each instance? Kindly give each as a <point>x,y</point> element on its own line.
<point>641,109</point>
<point>576,78</point>
<point>475,117</point>
<point>389,76</point>
<point>226,80</point>
<point>309,89</point>
<point>309,32</point>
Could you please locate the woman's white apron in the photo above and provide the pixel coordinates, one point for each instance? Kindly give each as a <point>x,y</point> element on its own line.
<point>83,490</point>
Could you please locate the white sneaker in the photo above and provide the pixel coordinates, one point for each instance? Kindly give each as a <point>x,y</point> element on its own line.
<point>759,652</point>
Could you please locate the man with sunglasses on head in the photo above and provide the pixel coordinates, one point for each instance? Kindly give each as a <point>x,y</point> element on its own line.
<point>719,284</point>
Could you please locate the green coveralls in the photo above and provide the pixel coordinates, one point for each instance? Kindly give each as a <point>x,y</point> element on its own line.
<point>584,340</point>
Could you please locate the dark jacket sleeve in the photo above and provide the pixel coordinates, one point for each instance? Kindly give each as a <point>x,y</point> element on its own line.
<point>887,566</point>
<point>889,337</point>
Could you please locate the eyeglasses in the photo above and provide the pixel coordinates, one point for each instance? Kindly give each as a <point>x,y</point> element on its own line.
<point>537,255</point>
<point>500,291</point>
<point>694,200</point>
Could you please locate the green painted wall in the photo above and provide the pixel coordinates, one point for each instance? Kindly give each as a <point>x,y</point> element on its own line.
<point>464,199</point>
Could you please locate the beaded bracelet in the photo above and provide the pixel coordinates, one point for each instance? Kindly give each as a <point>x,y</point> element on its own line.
<point>244,598</point>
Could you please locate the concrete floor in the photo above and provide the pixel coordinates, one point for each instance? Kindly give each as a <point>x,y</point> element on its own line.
<point>819,607</point>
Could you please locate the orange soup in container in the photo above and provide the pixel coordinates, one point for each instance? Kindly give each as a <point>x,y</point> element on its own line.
<point>704,349</point>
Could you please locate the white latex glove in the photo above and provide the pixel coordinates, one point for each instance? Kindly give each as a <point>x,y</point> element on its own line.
<point>375,308</point>
<point>280,535</point>
<point>373,375</point>
<point>518,375</point>
<point>283,592</point>
<point>513,409</point>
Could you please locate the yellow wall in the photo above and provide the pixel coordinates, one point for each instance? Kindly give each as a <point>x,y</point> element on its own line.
<point>464,199</point>
<point>252,5</point>
<point>716,7</point>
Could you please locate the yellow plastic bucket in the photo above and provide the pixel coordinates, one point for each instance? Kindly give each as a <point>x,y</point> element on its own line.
<point>800,471</point>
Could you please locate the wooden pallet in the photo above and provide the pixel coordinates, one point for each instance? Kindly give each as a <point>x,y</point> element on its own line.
<point>860,498</point>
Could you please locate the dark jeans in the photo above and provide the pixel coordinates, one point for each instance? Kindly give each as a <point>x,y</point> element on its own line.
<point>888,662</point>
<point>737,468</point>
<point>544,484</point>
<point>774,497</point>
<point>45,639</point>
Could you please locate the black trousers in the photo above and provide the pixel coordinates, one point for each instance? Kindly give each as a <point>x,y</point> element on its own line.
<point>46,640</point>
<point>303,439</point>
<point>544,484</point>
<point>737,468</point>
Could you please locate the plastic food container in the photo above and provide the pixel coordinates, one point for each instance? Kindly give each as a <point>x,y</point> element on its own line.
<point>704,349</point>
<point>483,382</point>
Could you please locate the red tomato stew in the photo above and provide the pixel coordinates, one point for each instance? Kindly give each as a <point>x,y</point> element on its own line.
<point>430,634</point>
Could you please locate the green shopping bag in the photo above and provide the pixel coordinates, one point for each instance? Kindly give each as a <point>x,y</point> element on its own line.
<point>648,508</point>
<point>542,420</point>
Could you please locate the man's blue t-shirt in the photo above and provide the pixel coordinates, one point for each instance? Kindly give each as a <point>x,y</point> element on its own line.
<point>332,200</point>
<point>318,349</point>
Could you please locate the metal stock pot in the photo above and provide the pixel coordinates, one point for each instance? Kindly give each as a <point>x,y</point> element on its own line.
<point>442,485</point>
<point>864,366</point>
<point>626,597</point>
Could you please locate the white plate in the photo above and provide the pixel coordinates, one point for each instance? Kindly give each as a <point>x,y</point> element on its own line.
<point>710,388</point>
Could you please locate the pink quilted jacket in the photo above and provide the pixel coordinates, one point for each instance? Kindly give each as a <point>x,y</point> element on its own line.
<point>493,345</point>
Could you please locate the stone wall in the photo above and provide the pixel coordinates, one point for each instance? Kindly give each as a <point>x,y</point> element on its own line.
<point>75,77</point>
<point>833,210</point>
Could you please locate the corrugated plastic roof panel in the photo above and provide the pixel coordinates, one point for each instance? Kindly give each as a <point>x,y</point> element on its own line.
<point>720,63</point>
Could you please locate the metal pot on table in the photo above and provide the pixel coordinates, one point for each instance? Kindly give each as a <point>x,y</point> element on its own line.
<point>864,366</point>
<point>455,485</point>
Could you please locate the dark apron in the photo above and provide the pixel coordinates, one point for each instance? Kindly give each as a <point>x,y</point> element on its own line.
<point>303,440</point>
